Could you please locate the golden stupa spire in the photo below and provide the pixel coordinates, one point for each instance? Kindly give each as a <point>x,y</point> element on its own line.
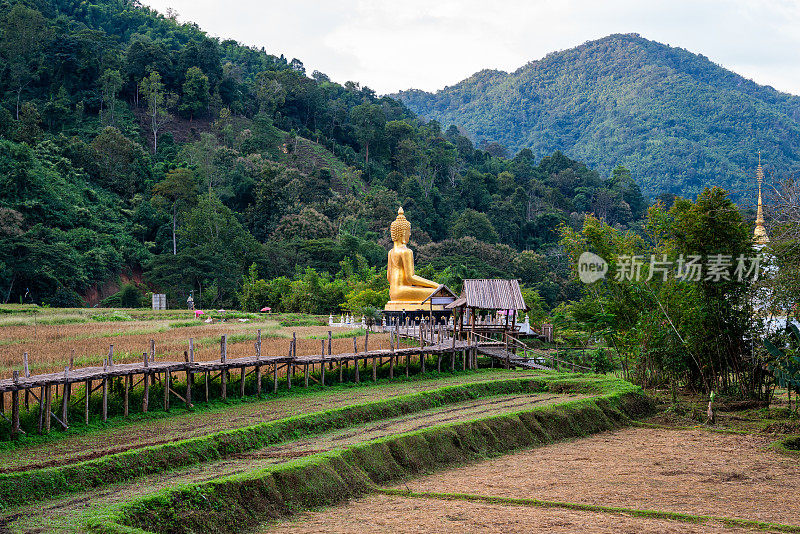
<point>760,233</point>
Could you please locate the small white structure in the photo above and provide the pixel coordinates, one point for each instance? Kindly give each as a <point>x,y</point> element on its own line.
<point>525,328</point>
<point>159,301</point>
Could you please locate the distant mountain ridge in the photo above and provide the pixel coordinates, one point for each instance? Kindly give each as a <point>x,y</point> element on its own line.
<point>677,120</point>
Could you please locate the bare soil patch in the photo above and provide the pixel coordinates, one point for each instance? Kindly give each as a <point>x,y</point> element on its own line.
<point>689,471</point>
<point>392,514</point>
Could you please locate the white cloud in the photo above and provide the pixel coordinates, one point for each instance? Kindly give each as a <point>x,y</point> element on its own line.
<point>427,45</point>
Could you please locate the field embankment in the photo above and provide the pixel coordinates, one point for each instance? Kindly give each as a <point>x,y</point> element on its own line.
<point>239,502</point>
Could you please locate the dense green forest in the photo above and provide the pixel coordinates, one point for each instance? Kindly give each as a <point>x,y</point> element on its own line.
<point>676,119</point>
<point>139,154</point>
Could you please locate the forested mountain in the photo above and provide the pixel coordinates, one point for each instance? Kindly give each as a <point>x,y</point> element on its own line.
<point>138,154</point>
<point>678,121</point>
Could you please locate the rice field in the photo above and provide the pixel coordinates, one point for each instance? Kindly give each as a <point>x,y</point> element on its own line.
<point>51,337</point>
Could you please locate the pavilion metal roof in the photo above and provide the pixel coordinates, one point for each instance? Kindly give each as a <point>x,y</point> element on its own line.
<point>493,295</point>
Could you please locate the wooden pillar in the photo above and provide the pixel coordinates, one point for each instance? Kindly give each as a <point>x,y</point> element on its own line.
<point>439,362</point>
<point>223,348</point>
<point>422,362</point>
<point>41,408</point>
<point>341,366</point>
<point>355,360</point>
<point>152,350</point>
<point>191,350</point>
<point>275,378</point>
<point>366,341</point>
<point>167,384</point>
<point>305,373</point>
<point>322,366</point>
<point>146,396</point>
<point>408,362</point>
<point>290,366</point>
<point>48,405</point>
<point>126,401</point>
<point>206,383</point>
<point>65,403</point>
<point>105,398</point>
<point>14,413</point>
<point>189,380</point>
<point>86,400</point>
<point>241,387</point>
<point>374,369</point>
<point>258,380</point>
<point>223,379</point>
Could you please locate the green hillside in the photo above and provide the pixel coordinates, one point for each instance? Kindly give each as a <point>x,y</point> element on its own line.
<point>678,121</point>
<point>139,154</point>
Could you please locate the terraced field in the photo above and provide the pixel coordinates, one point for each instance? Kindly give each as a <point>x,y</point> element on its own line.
<point>310,428</point>
<point>181,424</point>
<point>66,512</point>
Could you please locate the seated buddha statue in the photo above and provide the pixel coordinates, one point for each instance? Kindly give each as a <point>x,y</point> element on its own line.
<point>406,290</point>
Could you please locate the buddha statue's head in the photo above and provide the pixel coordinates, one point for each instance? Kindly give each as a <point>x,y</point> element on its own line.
<point>400,229</point>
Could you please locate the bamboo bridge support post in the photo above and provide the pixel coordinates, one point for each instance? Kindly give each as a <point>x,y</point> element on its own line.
<point>48,403</point>
<point>65,400</point>
<point>41,409</point>
<point>86,400</point>
<point>15,428</point>
<point>322,365</point>
<point>105,399</point>
<point>167,384</point>
<point>223,356</point>
<point>126,399</point>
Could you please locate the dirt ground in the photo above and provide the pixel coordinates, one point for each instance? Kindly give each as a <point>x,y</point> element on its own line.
<point>690,471</point>
<point>182,425</point>
<point>391,514</point>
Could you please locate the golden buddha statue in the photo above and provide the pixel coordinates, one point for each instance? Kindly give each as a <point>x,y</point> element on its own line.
<point>406,290</point>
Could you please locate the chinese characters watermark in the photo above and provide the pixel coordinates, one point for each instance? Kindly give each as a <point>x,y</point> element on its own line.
<point>689,268</point>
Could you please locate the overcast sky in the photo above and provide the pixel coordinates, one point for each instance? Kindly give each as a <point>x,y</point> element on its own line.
<point>428,44</point>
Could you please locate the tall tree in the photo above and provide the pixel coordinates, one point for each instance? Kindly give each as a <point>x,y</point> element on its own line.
<point>25,34</point>
<point>195,93</point>
<point>178,187</point>
<point>159,101</point>
<point>110,85</point>
<point>368,120</point>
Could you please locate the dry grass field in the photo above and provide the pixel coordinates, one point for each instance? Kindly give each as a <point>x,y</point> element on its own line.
<point>51,337</point>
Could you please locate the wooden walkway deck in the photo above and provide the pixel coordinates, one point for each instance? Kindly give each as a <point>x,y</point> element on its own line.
<point>40,387</point>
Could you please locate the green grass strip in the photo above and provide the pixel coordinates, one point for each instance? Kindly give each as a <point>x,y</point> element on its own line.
<point>40,484</point>
<point>239,502</point>
<point>650,514</point>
